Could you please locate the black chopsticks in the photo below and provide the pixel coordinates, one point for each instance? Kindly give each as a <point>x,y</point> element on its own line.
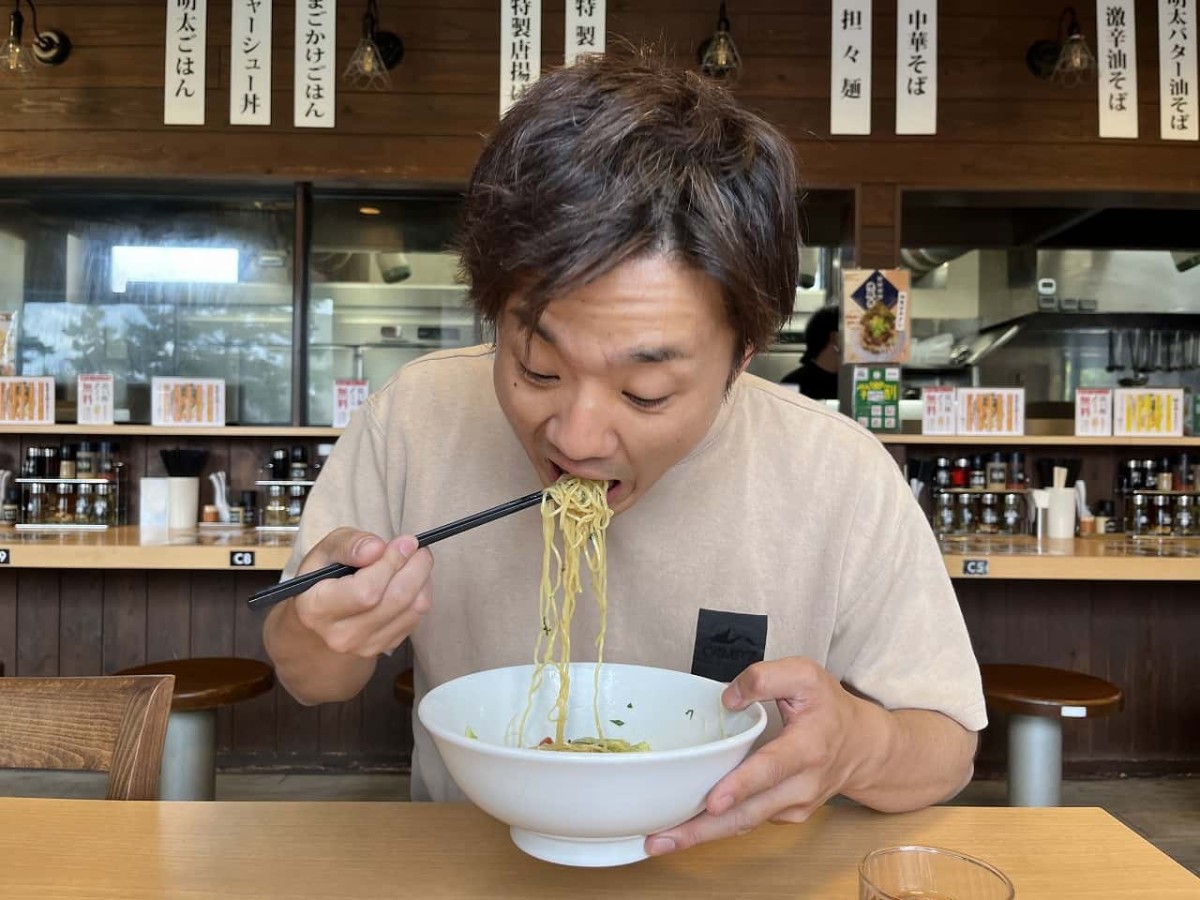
<point>268,597</point>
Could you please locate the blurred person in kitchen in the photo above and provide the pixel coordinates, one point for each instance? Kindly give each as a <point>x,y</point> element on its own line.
<point>818,372</point>
<point>631,233</point>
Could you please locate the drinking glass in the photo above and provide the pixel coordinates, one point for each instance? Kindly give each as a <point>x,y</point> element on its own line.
<point>929,873</point>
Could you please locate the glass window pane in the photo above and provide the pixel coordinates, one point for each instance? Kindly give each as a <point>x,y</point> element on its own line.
<point>150,282</point>
<point>384,289</point>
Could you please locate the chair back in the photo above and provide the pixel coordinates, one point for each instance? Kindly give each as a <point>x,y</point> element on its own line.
<point>106,723</point>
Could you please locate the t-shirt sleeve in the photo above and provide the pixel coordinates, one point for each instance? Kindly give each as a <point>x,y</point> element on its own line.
<point>900,638</point>
<point>360,486</point>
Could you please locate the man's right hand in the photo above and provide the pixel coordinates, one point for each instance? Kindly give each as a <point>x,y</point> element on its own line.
<point>376,608</point>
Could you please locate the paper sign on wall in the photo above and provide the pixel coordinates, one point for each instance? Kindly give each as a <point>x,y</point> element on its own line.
<point>876,326</point>
<point>1093,412</point>
<point>937,410</point>
<point>183,87</point>
<point>916,67</point>
<point>877,397</point>
<point>850,69</point>
<point>94,399</point>
<point>348,395</point>
<point>187,401</point>
<point>313,83</point>
<point>586,32</point>
<point>520,48</point>
<point>250,63</point>
<point>1116,63</point>
<point>27,400</point>
<point>1177,70</point>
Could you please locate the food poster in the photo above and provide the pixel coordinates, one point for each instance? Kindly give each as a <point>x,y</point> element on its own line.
<point>348,395</point>
<point>27,400</point>
<point>876,326</point>
<point>94,400</point>
<point>991,411</point>
<point>1093,412</point>
<point>1139,411</point>
<point>877,397</point>
<point>187,401</point>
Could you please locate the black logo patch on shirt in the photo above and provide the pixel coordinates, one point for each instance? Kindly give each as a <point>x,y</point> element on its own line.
<point>727,642</point>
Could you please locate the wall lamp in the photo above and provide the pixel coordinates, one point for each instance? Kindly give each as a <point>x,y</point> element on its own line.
<point>1068,61</point>
<point>49,48</point>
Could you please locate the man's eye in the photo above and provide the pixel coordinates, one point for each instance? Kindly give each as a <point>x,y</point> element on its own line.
<point>537,377</point>
<point>646,402</point>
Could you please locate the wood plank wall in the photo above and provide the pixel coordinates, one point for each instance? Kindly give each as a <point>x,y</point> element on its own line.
<point>999,127</point>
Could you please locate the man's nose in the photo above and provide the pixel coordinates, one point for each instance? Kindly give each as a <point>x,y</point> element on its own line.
<point>582,429</point>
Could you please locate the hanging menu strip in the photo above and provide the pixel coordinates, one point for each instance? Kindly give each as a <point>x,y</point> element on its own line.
<point>916,67</point>
<point>183,87</point>
<point>520,48</point>
<point>316,36</point>
<point>585,28</point>
<point>850,68</point>
<point>1116,61</point>
<point>1177,69</point>
<point>250,63</point>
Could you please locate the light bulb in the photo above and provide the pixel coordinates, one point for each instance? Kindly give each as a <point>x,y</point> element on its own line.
<point>14,59</point>
<point>366,69</point>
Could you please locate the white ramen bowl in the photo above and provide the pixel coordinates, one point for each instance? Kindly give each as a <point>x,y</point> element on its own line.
<point>588,809</point>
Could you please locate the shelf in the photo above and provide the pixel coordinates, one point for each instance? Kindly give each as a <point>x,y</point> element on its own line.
<point>1080,559</point>
<point>1037,440</point>
<point>126,548</point>
<point>229,431</point>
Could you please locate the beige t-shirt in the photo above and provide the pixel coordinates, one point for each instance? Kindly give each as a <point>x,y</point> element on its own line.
<point>788,531</point>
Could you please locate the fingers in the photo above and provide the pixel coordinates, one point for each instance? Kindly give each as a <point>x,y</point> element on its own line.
<point>794,679</point>
<point>343,545</point>
<point>775,763</point>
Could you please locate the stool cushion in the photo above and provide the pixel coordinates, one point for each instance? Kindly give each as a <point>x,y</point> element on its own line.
<point>206,682</point>
<point>404,687</point>
<point>1044,691</point>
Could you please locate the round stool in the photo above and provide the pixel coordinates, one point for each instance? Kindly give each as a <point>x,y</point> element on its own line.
<point>189,768</point>
<point>404,688</point>
<point>1037,699</point>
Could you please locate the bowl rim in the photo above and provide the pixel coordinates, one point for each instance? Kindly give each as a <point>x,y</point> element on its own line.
<point>748,735</point>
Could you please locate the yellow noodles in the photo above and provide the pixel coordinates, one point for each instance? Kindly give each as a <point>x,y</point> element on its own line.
<point>578,508</point>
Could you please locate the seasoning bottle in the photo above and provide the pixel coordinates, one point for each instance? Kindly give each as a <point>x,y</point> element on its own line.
<point>64,507</point>
<point>85,460</point>
<point>1105,524</point>
<point>83,505</point>
<point>210,513</point>
<point>295,504</point>
<point>101,506</point>
<point>1185,482</point>
<point>1016,470</point>
<point>66,461</point>
<point>279,464</point>
<point>249,508</point>
<point>1166,477</point>
<point>1149,475</point>
<point>1162,519</point>
<point>978,473</point>
<point>966,514</point>
<point>49,462</point>
<point>33,462</point>
<point>299,466</point>
<point>943,513</point>
<point>276,512</point>
<point>1133,469</point>
<point>1185,519</point>
<point>997,473</point>
<point>989,514</point>
<point>1139,515</point>
<point>941,473</point>
<point>960,475</point>
<point>10,512</point>
<point>35,504</point>
<point>106,458</point>
<point>1011,522</point>
<point>323,451</point>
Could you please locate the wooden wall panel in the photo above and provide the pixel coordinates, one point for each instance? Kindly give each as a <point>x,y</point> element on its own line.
<point>100,113</point>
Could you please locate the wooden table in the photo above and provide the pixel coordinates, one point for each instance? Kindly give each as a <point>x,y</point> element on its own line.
<point>74,849</point>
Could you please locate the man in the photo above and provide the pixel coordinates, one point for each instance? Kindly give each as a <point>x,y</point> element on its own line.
<point>631,233</point>
<point>818,372</point>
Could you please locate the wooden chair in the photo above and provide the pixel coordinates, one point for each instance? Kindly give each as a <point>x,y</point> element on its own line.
<point>1037,699</point>
<point>99,724</point>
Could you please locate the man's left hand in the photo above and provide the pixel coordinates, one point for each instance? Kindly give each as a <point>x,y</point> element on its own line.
<point>816,754</point>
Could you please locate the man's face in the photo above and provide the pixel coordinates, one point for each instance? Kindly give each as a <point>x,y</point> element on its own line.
<point>621,378</point>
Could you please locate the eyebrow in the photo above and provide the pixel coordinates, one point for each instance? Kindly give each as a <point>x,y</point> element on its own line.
<point>637,354</point>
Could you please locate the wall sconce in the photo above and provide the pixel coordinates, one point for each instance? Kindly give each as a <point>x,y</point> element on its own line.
<point>719,57</point>
<point>49,48</point>
<point>1068,62</point>
<point>376,53</point>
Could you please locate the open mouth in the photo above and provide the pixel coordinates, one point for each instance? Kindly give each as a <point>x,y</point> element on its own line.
<point>558,472</point>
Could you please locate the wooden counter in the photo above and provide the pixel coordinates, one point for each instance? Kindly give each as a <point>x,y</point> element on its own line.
<point>127,548</point>
<point>59,849</point>
<point>1083,559</point>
